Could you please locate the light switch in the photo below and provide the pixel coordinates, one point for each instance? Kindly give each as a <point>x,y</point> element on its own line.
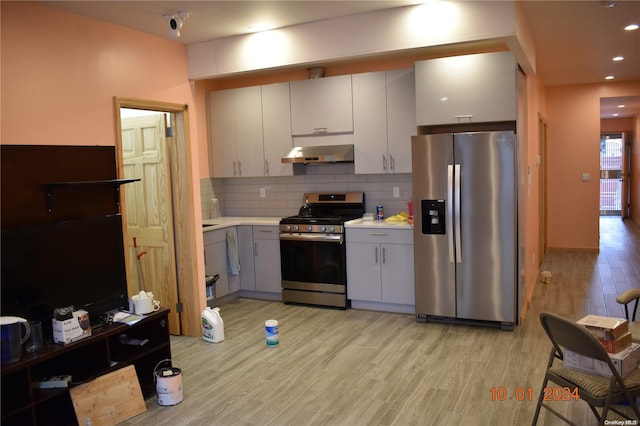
<point>263,192</point>
<point>396,191</point>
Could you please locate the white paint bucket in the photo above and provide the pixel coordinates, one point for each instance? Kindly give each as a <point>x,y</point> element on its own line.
<point>168,384</point>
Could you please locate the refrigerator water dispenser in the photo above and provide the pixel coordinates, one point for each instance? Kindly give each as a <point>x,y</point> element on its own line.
<point>433,217</point>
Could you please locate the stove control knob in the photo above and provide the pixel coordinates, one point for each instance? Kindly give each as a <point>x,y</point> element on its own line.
<point>309,228</point>
<point>287,227</point>
<point>323,228</point>
<point>295,227</point>
<point>330,229</point>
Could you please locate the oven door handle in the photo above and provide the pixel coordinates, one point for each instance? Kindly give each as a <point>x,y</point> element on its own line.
<point>334,238</point>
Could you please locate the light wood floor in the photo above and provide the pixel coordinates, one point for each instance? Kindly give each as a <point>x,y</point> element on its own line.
<point>366,368</point>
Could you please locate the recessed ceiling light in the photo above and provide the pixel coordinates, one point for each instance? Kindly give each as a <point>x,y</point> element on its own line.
<point>618,58</point>
<point>609,77</point>
<point>262,26</point>
<point>621,106</point>
<point>615,115</point>
<point>632,27</point>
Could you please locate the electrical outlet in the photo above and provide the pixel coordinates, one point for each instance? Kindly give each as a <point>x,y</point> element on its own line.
<point>263,192</point>
<point>396,192</point>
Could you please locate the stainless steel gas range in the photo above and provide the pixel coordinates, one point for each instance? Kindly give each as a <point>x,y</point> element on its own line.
<point>313,251</point>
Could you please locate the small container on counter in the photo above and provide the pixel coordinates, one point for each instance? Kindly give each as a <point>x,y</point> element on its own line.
<point>379,212</point>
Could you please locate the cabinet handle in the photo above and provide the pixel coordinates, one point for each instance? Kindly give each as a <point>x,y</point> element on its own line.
<point>234,168</point>
<point>266,230</point>
<point>266,167</point>
<point>384,255</point>
<point>384,162</point>
<point>383,234</point>
<point>392,162</point>
<point>376,254</point>
<point>255,249</point>
<point>239,168</point>
<point>319,130</point>
<point>463,117</point>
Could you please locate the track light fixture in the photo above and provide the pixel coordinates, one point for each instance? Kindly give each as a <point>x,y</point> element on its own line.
<point>175,20</point>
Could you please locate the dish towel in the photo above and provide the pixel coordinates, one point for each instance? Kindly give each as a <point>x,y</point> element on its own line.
<point>233,260</point>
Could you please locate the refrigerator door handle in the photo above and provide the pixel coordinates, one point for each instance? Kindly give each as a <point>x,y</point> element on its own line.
<point>457,226</point>
<point>450,210</point>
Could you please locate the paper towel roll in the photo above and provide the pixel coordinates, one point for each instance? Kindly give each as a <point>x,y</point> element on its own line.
<point>215,208</point>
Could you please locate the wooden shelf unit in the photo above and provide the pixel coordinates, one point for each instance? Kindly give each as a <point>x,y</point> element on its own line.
<point>84,360</point>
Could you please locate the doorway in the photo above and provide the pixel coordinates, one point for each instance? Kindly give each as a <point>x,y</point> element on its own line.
<point>613,158</point>
<point>152,143</point>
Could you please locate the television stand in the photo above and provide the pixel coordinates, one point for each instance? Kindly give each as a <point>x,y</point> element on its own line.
<point>84,360</point>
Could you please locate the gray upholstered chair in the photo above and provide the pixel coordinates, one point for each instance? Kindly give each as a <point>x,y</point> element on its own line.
<point>597,391</point>
<point>627,297</point>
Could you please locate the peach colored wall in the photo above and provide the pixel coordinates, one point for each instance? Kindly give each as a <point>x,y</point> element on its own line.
<point>60,73</point>
<point>573,114</point>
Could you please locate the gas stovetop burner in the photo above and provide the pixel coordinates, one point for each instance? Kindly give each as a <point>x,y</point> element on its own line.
<point>328,209</point>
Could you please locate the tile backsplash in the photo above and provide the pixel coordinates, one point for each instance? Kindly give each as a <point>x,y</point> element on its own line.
<point>283,195</point>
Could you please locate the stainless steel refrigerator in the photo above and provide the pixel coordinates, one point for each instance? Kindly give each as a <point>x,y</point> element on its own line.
<point>465,195</point>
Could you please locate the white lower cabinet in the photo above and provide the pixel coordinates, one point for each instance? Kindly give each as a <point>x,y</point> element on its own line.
<point>380,265</point>
<point>245,245</point>
<point>266,250</point>
<point>215,259</point>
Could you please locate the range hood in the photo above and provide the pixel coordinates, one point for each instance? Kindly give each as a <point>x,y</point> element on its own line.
<point>320,154</point>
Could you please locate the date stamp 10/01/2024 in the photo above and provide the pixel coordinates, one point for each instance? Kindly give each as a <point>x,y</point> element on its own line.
<point>502,393</point>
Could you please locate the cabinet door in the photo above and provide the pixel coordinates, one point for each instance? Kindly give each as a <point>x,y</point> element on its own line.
<point>245,251</point>
<point>370,123</point>
<point>276,128</point>
<point>233,281</point>
<point>397,273</point>
<point>215,259</point>
<point>469,88</point>
<point>401,119</point>
<point>222,133</point>
<point>363,271</point>
<point>267,263</point>
<point>321,105</point>
<point>248,107</point>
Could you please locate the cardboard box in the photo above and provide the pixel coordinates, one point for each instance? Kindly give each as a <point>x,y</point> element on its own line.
<point>625,362</point>
<point>73,329</point>
<point>605,328</point>
<point>614,346</point>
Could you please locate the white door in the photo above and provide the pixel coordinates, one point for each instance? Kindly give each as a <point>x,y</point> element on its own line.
<point>149,211</point>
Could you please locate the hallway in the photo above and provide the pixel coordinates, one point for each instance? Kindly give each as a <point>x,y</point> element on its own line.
<point>588,281</point>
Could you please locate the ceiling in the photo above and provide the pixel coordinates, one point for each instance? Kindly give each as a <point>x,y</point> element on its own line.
<point>575,40</point>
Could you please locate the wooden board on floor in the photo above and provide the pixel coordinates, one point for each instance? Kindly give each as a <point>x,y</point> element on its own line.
<point>109,399</point>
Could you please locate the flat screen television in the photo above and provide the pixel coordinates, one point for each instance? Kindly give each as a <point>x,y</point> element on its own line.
<point>76,262</point>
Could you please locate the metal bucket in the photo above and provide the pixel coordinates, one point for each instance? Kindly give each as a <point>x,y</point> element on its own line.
<point>168,384</point>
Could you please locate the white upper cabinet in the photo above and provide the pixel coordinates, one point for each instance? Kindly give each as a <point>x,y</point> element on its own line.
<point>276,127</point>
<point>384,121</point>
<point>235,132</point>
<point>466,89</point>
<point>321,106</point>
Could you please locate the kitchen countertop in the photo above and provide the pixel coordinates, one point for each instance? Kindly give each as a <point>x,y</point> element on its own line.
<point>227,221</point>
<point>376,224</point>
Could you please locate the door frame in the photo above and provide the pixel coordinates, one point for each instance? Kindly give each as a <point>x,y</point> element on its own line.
<point>542,188</point>
<point>183,209</point>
